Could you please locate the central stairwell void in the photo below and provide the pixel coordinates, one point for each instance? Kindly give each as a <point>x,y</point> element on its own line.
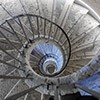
<point>41,48</point>
<point>46,48</point>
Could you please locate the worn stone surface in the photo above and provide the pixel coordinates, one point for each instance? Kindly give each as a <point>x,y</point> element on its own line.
<point>82,37</point>
<point>95,4</point>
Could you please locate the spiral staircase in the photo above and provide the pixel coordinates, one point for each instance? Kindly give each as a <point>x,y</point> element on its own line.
<point>46,47</point>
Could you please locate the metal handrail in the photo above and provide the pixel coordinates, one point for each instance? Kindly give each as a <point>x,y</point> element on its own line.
<point>63,32</point>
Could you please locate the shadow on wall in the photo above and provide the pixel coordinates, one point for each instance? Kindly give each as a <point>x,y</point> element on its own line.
<point>75,96</point>
<point>51,98</point>
<point>87,98</point>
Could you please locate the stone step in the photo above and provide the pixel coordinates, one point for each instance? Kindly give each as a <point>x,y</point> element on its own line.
<point>76,14</point>
<point>20,87</point>
<point>89,37</point>
<point>6,86</point>
<point>5,69</point>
